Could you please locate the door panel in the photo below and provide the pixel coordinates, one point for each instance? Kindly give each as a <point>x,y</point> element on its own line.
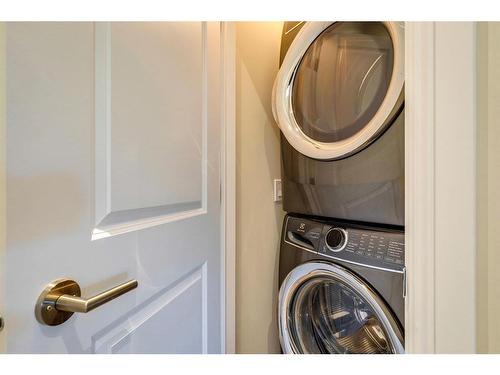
<point>156,128</point>
<point>113,142</point>
<point>145,328</point>
<point>151,123</point>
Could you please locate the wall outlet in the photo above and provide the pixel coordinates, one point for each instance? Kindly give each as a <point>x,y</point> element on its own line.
<point>277,190</point>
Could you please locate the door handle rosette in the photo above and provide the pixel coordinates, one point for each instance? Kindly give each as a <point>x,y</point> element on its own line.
<point>62,298</point>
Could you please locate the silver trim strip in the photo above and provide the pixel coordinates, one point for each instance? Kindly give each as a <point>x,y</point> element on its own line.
<point>404,282</point>
<point>343,260</point>
<point>361,264</point>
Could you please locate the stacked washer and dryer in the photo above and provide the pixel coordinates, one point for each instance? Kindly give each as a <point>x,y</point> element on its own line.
<point>339,102</point>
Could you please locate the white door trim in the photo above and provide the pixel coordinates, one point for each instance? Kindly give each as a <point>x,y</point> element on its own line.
<point>440,187</point>
<point>419,205</point>
<point>228,187</point>
<point>3,180</point>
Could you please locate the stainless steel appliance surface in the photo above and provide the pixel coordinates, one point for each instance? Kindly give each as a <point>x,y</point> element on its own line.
<point>339,102</point>
<point>342,287</point>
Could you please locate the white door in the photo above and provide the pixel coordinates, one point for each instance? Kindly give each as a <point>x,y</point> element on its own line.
<point>113,174</point>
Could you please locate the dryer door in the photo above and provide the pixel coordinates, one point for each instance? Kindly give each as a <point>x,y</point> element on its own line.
<point>340,85</point>
<point>325,308</point>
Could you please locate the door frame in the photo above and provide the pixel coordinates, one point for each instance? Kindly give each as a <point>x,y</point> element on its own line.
<point>228,188</point>
<point>3,180</point>
<point>440,197</point>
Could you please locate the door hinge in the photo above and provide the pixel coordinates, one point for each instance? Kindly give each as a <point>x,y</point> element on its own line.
<point>405,282</point>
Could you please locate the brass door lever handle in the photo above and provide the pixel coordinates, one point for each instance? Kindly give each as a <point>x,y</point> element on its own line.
<point>61,298</point>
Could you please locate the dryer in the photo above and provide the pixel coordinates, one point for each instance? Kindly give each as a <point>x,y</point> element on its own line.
<point>342,287</point>
<point>338,99</point>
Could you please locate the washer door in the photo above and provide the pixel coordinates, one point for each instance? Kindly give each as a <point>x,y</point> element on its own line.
<point>340,85</point>
<point>325,308</point>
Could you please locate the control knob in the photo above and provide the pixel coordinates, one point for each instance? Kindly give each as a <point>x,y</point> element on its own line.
<point>336,239</point>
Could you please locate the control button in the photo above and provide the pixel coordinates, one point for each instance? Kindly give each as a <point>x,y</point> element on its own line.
<point>350,247</point>
<point>336,239</point>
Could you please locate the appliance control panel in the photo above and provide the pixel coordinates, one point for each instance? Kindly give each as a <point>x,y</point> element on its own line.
<point>371,246</point>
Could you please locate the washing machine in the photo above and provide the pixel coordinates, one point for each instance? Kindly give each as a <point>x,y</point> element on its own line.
<point>338,99</point>
<point>342,287</point>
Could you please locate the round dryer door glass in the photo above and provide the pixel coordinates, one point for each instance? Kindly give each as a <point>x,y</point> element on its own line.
<point>328,313</point>
<point>342,80</point>
<point>339,86</point>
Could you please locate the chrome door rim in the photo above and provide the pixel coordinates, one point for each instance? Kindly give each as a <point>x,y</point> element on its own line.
<point>282,97</point>
<point>300,274</point>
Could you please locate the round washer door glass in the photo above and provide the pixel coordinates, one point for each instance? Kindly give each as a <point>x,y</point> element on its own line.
<point>342,80</point>
<point>331,311</point>
<point>340,85</point>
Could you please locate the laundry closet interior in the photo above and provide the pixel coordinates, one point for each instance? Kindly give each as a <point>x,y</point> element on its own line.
<point>320,118</point>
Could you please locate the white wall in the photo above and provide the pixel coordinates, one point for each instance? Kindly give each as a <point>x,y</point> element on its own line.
<point>259,219</point>
<point>488,262</point>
